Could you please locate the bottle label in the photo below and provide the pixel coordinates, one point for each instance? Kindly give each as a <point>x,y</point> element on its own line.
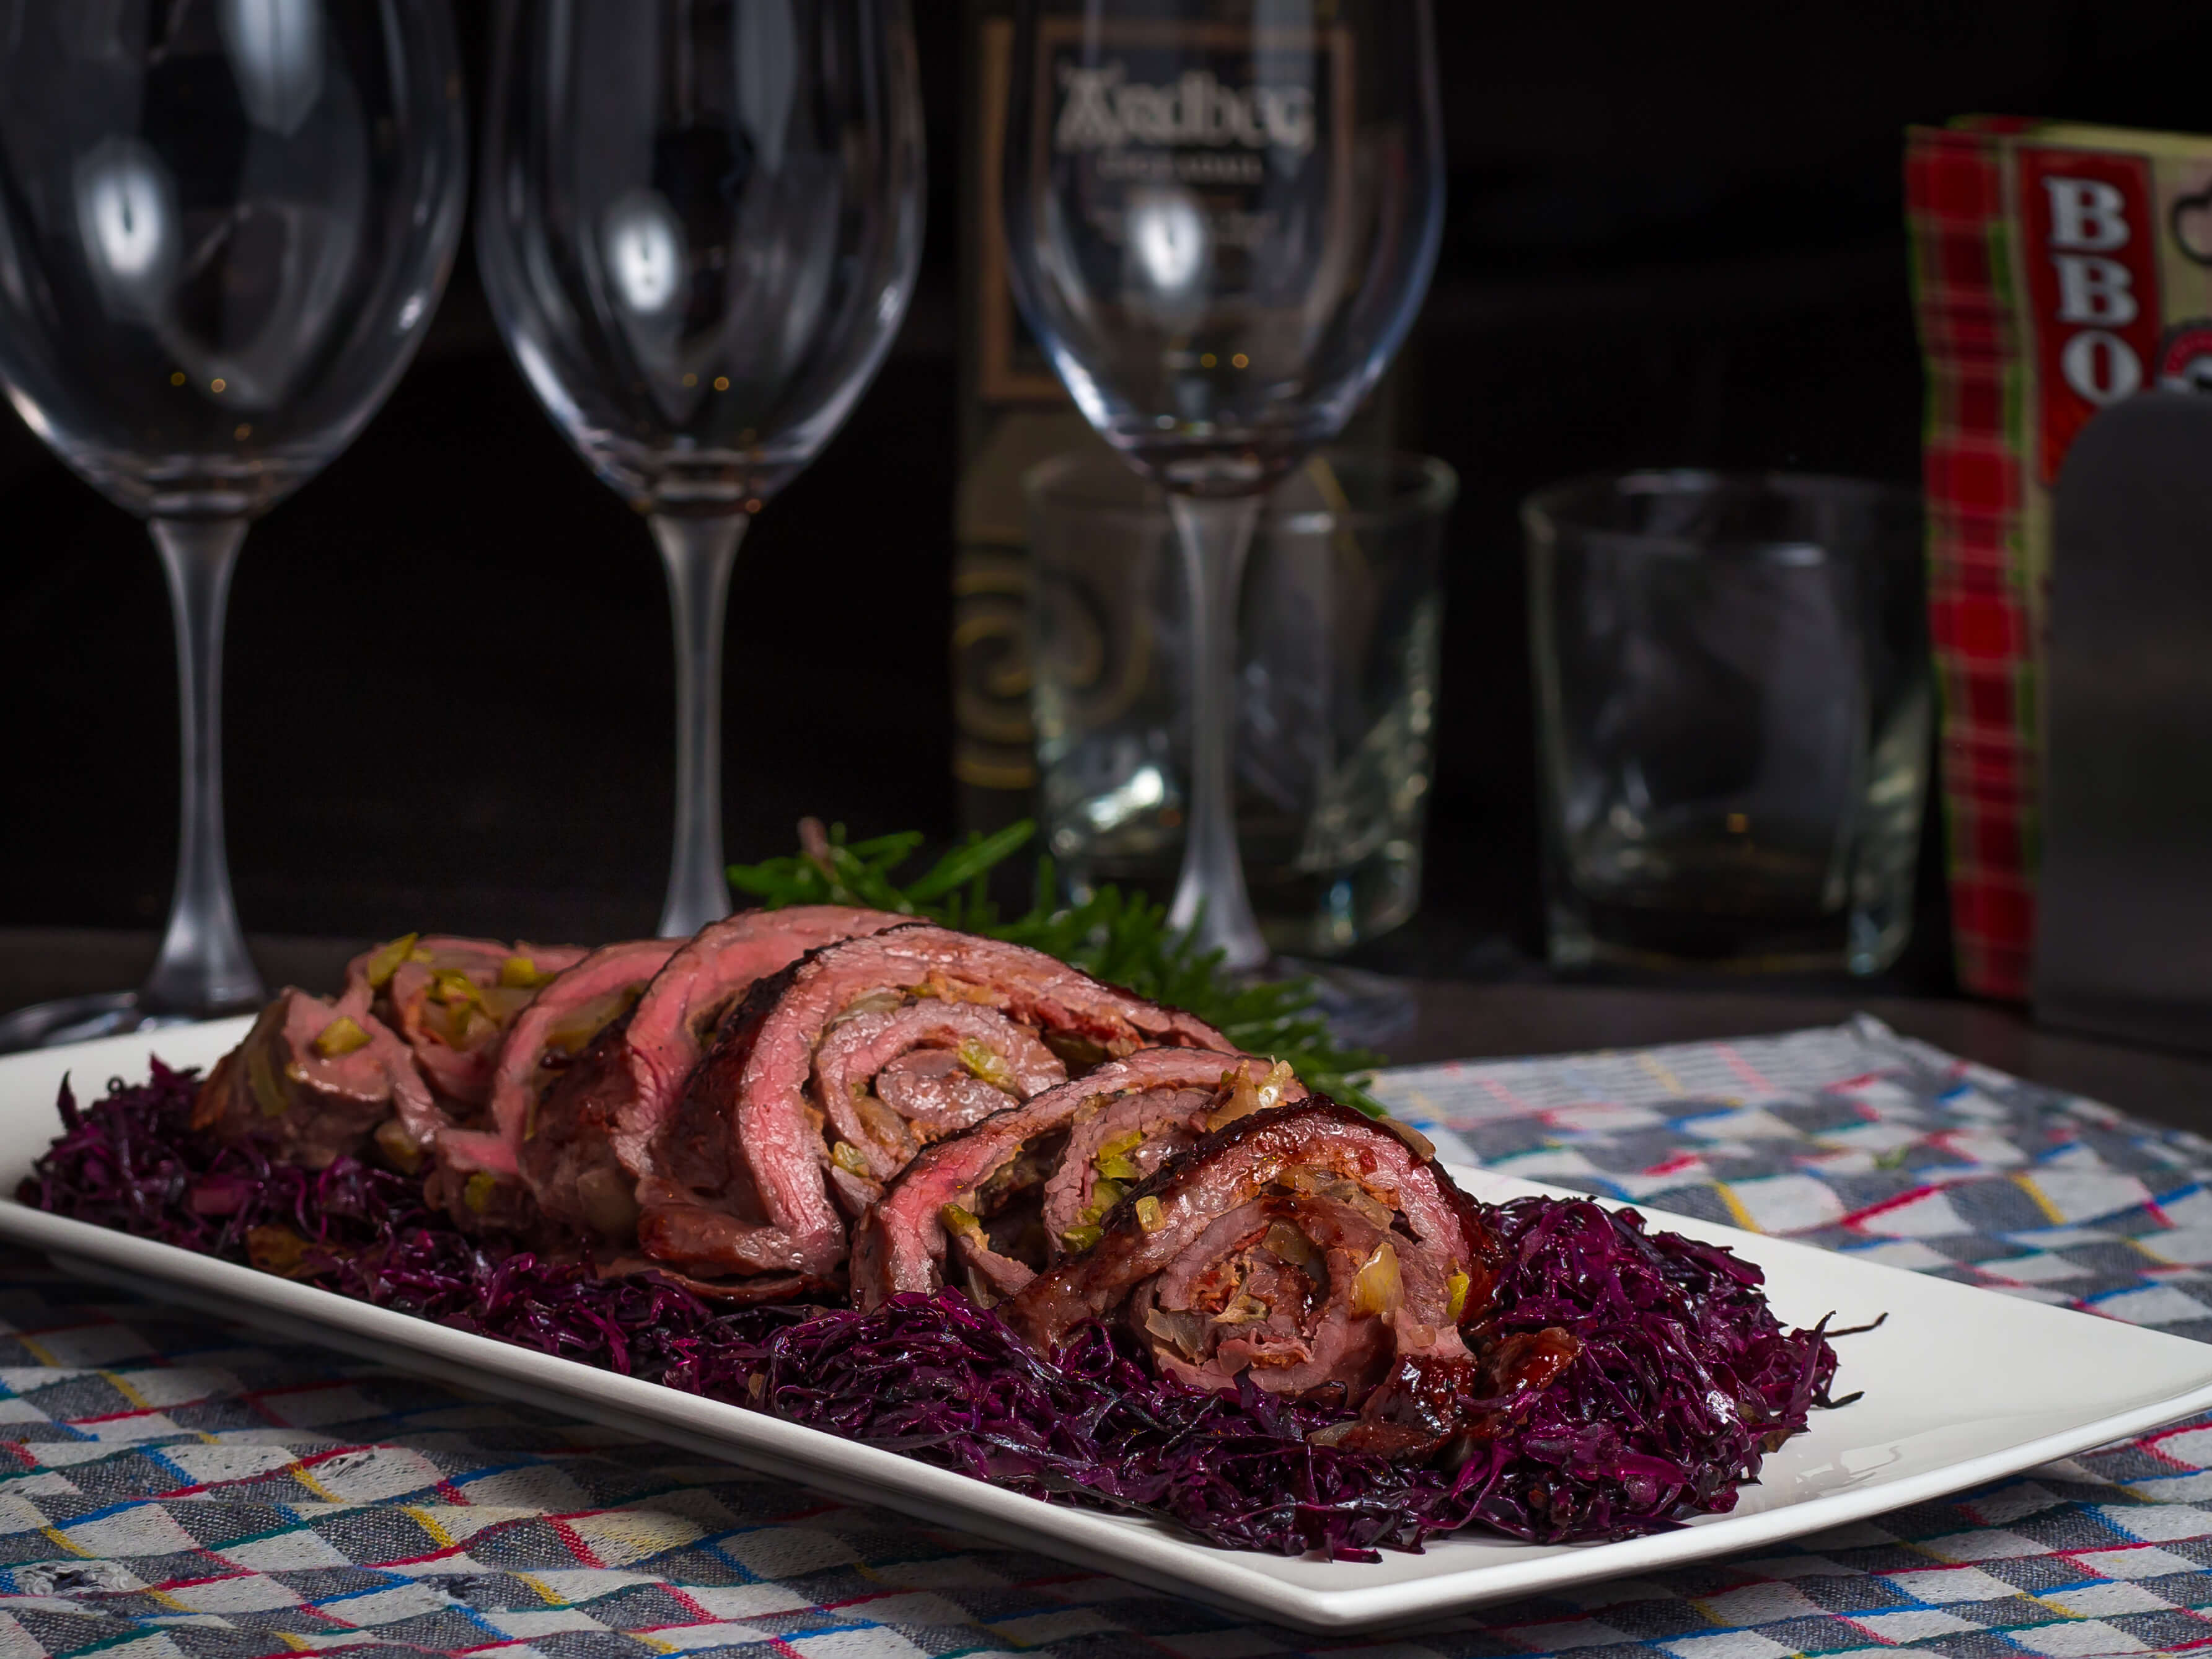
<point>1194,144</point>
<point>1194,130</point>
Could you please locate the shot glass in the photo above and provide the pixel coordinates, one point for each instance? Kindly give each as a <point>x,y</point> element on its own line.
<point>1336,687</point>
<point>1733,714</point>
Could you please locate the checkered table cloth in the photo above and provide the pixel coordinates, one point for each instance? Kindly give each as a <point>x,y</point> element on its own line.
<point>180,1488</point>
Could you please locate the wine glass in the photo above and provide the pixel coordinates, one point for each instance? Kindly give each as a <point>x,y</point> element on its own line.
<point>224,225</point>
<point>1221,217</point>
<point>699,226</point>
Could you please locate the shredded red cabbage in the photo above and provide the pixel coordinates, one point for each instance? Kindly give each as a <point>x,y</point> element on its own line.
<point>1684,1380</point>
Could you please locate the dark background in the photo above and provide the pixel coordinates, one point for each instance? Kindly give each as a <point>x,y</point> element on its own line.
<point>1676,238</point>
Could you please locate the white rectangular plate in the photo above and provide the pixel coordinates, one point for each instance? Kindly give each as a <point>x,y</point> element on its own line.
<point>1962,1386</point>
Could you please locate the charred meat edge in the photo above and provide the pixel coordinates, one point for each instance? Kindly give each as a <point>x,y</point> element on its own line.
<point>1425,1404</point>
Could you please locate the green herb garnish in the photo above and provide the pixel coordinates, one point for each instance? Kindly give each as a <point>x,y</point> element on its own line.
<point>1122,939</point>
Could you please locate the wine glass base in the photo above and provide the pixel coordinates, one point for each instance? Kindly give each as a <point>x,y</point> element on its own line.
<point>78,1019</point>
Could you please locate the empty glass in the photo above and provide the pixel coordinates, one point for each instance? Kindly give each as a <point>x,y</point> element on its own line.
<point>701,224</point>
<point>1221,216</point>
<point>1733,709</point>
<point>224,225</point>
<point>1336,672</point>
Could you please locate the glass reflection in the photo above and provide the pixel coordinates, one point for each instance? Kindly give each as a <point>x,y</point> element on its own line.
<point>645,252</point>
<point>766,41</point>
<point>1167,233</point>
<point>126,218</point>
<point>1169,253</point>
<point>276,51</point>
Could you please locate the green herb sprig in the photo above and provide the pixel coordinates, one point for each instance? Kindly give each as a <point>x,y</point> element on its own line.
<point>1122,939</point>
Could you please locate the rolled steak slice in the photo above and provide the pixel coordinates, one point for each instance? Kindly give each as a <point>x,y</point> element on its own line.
<point>893,1078</point>
<point>479,1176</point>
<point>1320,1254</point>
<point>452,1000</point>
<point>990,1207</point>
<point>314,1080</point>
<point>741,1180</point>
<point>581,1154</point>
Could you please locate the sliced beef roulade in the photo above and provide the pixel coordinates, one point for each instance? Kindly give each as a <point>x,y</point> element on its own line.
<point>314,1080</point>
<point>1320,1253</point>
<point>990,1207</point>
<point>844,1066</point>
<point>452,1001</point>
<point>480,1171</point>
<point>581,1152</point>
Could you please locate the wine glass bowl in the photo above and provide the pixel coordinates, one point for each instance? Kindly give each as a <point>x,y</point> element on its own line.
<point>1221,217</point>
<point>229,224</point>
<point>700,224</point>
<point>224,226</point>
<point>698,268</point>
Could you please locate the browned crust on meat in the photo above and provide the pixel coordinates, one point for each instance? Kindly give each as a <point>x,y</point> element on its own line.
<point>1091,1286</point>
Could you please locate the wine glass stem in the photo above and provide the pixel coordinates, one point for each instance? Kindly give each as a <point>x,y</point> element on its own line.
<point>202,968</point>
<point>1209,897</point>
<point>698,553</point>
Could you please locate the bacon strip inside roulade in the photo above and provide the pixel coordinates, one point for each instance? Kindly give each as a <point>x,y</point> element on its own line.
<point>990,1207</point>
<point>1321,1253</point>
<point>581,1153</point>
<point>843,1067</point>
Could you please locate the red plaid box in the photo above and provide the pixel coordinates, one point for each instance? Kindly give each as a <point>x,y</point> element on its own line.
<point>2056,268</point>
